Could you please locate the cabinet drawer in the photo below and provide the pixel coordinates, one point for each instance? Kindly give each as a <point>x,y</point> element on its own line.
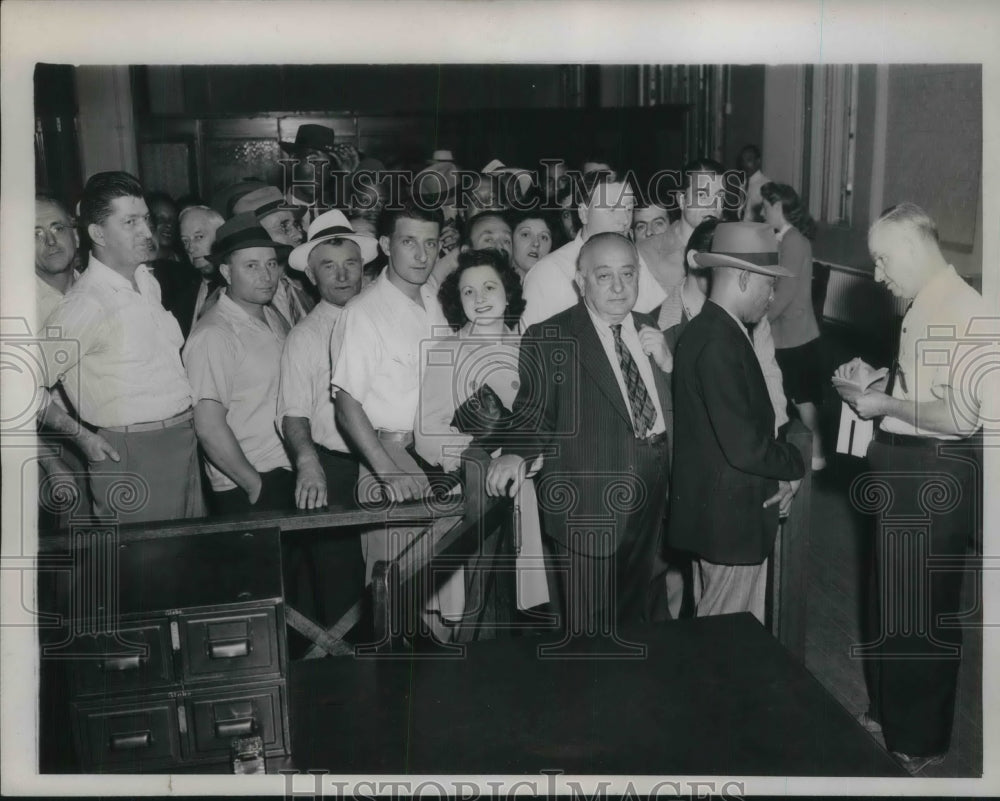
<point>220,715</point>
<point>140,660</point>
<point>234,645</point>
<point>131,737</point>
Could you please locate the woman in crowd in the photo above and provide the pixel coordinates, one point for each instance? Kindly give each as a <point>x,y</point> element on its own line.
<point>793,321</point>
<point>468,387</point>
<point>482,302</point>
<point>532,239</point>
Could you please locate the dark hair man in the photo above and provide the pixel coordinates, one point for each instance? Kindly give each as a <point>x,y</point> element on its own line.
<point>128,381</point>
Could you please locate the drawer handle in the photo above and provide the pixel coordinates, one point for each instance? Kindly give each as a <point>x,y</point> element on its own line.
<point>228,649</point>
<point>234,728</point>
<point>122,663</point>
<point>128,742</point>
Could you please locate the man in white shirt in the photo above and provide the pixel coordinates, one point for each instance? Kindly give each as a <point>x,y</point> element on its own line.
<point>328,570</point>
<point>928,438</point>
<point>376,363</point>
<point>333,259</point>
<point>56,244</point>
<point>232,359</point>
<point>550,286</point>
<point>128,382</point>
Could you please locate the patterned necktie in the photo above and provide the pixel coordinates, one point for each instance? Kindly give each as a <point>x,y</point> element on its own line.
<point>643,411</point>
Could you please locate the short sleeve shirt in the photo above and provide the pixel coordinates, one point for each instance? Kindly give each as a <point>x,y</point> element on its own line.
<point>124,365</point>
<point>938,347</point>
<point>233,358</point>
<point>304,389</point>
<point>377,350</point>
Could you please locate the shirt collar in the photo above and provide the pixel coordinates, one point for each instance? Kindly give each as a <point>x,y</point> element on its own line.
<point>779,235</point>
<point>394,291</point>
<point>603,327</point>
<point>933,288</point>
<point>328,310</point>
<point>235,313</point>
<point>105,275</point>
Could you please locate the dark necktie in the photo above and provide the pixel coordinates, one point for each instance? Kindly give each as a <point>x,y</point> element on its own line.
<point>643,411</point>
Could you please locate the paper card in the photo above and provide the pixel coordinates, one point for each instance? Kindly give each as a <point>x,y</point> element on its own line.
<point>854,434</point>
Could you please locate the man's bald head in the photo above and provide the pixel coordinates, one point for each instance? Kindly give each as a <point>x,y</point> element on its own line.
<point>198,225</point>
<point>904,245</point>
<point>607,275</point>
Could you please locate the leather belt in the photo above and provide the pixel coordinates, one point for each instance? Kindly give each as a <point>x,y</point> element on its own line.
<point>136,428</point>
<point>906,441</point>
<point>405,437</point>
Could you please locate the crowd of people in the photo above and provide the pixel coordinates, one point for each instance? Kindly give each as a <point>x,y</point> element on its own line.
<point>627,364</point>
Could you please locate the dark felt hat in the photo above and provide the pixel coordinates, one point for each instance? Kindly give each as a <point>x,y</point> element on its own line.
<point>241,232</point>
<point>311,137</point>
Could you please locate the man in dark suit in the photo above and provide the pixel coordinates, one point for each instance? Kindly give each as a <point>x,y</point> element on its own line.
<point>734,477</point>
<point>594,402</point>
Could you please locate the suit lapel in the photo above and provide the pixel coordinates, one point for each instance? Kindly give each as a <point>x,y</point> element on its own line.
<point>594,360</point>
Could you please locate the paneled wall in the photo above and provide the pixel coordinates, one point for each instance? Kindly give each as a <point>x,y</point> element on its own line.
<point>201,155</point>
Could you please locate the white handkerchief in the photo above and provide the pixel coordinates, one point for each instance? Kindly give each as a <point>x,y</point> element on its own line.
<point>532,586</point>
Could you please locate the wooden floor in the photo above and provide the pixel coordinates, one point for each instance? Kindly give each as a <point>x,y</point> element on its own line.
<point>838,572</point>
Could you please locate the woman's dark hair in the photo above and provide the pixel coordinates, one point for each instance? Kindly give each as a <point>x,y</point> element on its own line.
<point>791,206</point>
<point>700,240</point>
<point>516,217</point>
<point>451,299</point>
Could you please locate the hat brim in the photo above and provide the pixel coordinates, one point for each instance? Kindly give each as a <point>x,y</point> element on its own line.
<point>722,260</point>
<point>293,148</point>
<point>279,249</point>
<point>299,258</point>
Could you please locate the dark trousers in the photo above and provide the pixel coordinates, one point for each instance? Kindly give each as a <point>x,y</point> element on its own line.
<point>912,654</point>
<point>330,574</point>
<point>341,471</point>
<point>277,492</point>
<point>624,586</point>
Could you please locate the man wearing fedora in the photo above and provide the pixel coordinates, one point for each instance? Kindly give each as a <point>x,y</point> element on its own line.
<point>317,155</point>
<point>232,360</point>
<point>284,226</point>
<point>734,476</point>
<point>331,570</point>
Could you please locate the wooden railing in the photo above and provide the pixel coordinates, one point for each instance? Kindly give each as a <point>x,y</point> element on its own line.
<point>457,526</point>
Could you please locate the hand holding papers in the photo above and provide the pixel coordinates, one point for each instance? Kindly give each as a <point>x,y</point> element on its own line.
<point>852,380</point>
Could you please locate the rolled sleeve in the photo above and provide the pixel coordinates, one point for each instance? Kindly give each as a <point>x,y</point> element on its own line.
<point>210,361</point>
<point>359,349</point>
<point>295,383</point>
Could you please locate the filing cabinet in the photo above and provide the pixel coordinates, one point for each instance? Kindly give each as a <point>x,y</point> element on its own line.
<point>173,647</point>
